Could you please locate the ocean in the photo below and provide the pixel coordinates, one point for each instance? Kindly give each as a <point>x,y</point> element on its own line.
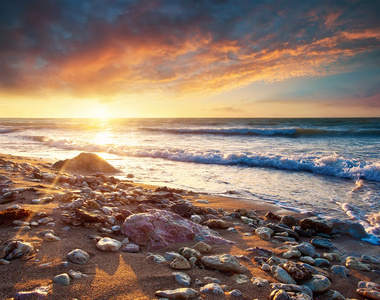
<point>330,167</point>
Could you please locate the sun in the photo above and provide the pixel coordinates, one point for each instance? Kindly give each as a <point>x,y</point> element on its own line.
<point>103,138</point>
<point>99,111</point>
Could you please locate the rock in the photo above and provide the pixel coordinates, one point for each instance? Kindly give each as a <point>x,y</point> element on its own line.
<point>264,233</point>
<point>170,256</point>
<point>78,256</point>
<point>196,219</point>
<point>76,274</point>
<point>273,216</point>
<point>130,248</point>
<point>260,282</point>
<point>62,279</point>
<point>289,221</point>
<point>224,263</point>
<point>279,295</point>
<point>307,259</point>
<point>216,223</point>
<point>213,288</point>
<point>88,217</point>
<point>203,247</point>
<point>157,258</point>
<point>306,249</point>
<point>281,275</point>
<point>182,209</point>
<point>4,262</point>
<point>49,237</point>
<point>14,213</point>
<point>182,278</point>
<point>333,295</point>
<point>332,257</point>
<point>85,162</point>
<point>16,249</point>
<point>370,260</point>
<point>182,293</point>
<point>235,293</point>
<point>321,262</point>
<point>318,224</point>
<point>212,280</point>
<point>354,264</point>
<point>340,270</point>
<point>240,278</point>
<point>317,283</point>
<point>292,288</point>
<point>371,293</point>
<point>279,229</point>
<point>297,270</point>
<point>39,293</point>
<point>187,252</point>
<point>292,253</point>
<point>322,243</point>
<point>275,261</point>
<point>303,232</point>
<point>180,263</point>
<point>258,251</point>
<point>108,244</point>
<point>265,267</point>
<point>351,228</point>
<point>159,228</point>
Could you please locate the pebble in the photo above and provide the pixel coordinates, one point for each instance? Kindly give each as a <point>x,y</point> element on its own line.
<point>182,278</point>
<point>212,280</point>
<point>224,263</point>
<point>213,288</point>
<point>159,259</point>
<point>196,219</point>
<point>332,257</point>
<point>322,243</point>
<point>40,293</point>
<point>265,267</point>
<point>180,263</point>
<point>292,253</point>
<point>49,237</point>
<point>76,274</point>
<point>307,259</point>
<point>240,278</point>
<point>340,270</point>
<point>202,247</point>
<point>354,264</point>
<point>63,279</point>
<point>306,249</point>
<point>130,248</point>
<point>235,293</point>
<point>260,282</point>
<point>321,262</point>
<point>108,244</point>
<point>182,293</point>
<point>78,256</point>
<point>4,262</point>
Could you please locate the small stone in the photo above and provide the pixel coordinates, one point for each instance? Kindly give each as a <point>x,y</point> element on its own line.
<point>212,280</point>
<point>196,219</point>
<point>180,263</point>
<point>224,263</point>
<point>108,244</point>
<point>182,293</point>
<point>76,274</point>
<point>265,267</point>
<point>264,233</point>
<point>62,279</point>
<point>334,295</point>
<point>318,224</point>
<point>78,256</point>
<point>354,264</point>
<point>4,262</point>
<point>216,223</point>
<point>170,256</point>
<point>182,278</point>
<point>281,275</point>
<point>187,252</point>
<point>203,248</point>
<point>321,262</point>
<point>332,257</point>
<point>240,278</point>
<point>16,249</point>
<point>130,248</point>
<point>292,253</point>
<point>307,259</point>
<point>297,270</point>
<point>213,288</point>
<point>49,237</point>
<point>369,260</point>
<point>340,270</point>
<point>317,283</point>
<point>39,293</point>
<point>235,293</point>
<point>159,259</point>
<point>260,282</point>
<point>372,293</point>
<point>322,243</point>
<point>306,249</point>
<point>294,288</point>
<point>279,295</point>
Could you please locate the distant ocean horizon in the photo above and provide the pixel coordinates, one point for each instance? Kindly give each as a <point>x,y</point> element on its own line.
<point>329,166</point>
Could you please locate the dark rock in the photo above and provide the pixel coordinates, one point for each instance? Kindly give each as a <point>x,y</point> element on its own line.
<point>88,217</point>
<point>273,216</point>
<point>182,209</point>
<point>289,221</point>
<point>306,249</point>
<point>351,228</point>
<point>258,251</point>
<point>321,262</point>
<point>304,232</point>
<point>322,243</point>
<point>216,223</point>
<point>85,162</point>
<point>11,214</point>
<point>290,232</point>
<point>319,224</point>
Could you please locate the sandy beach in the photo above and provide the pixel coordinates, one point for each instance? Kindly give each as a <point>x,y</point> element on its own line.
<point>123,275</point>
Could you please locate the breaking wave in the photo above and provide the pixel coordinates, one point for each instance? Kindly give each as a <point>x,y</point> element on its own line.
<point>331,165</point>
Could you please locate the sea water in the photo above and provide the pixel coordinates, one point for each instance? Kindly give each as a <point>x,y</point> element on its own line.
<point>330,167</point>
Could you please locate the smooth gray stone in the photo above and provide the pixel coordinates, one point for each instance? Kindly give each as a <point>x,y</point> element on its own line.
<point>63,279</point>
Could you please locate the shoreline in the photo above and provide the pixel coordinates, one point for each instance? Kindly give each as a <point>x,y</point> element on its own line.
<point>124,275</point>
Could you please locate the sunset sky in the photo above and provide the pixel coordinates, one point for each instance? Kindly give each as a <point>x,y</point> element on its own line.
<point>92,58</point>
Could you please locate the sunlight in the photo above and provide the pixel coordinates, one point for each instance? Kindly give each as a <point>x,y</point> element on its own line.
<point>103,138</point>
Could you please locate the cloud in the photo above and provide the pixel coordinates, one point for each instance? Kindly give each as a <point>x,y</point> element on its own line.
<point>106,48</point>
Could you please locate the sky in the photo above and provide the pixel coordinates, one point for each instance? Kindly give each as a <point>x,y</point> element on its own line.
<point>189,58</point>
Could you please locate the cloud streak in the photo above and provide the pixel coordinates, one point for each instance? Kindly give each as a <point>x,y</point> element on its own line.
<point>108,48</point>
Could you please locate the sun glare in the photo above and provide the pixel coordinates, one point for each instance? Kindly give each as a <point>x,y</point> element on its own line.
<point>103,138</point>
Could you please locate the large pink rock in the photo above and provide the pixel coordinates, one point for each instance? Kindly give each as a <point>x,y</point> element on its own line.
<point>160,228</point>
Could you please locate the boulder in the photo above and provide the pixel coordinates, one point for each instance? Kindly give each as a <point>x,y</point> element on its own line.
<point>322,243</point>
<point>281,275</point>
<point>351,228</point>
<point>264,233</point>
<point>306,249</point>
<point>159,228</point>
<point>289,220</point>
<point>224,263</point>
<point>85,162</point>
<point>318,224</point>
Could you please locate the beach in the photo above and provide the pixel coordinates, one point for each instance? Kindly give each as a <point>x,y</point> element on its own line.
<point>123,275</point>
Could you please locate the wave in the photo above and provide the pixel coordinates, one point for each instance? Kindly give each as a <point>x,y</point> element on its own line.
<point>331,165</point>
<point>286,132</point>
<point>8,130</point>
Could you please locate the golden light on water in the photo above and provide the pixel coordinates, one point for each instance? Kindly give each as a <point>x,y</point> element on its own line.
<point>103,138</point>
